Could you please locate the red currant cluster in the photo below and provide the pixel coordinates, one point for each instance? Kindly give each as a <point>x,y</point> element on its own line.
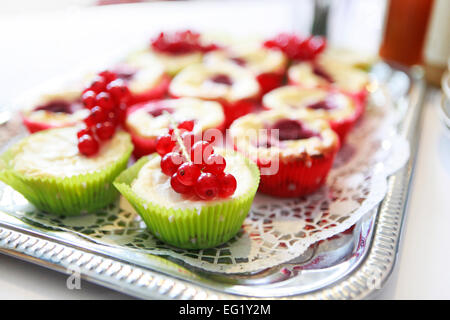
<point>107,99</point>
<point>180,42</point>
<point>193,166</point>
<point>297,48</point>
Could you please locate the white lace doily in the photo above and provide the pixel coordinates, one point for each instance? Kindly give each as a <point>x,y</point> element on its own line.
<point>275,230</point>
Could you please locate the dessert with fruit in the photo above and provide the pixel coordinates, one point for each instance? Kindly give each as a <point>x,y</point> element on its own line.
<point>190,194</point>
<point>294,155</point>
<point>69,171</point>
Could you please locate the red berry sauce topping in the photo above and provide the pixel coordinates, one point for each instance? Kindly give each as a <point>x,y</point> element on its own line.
<point>180,42</point>
<point>288,129</point>
<point>292,130</point>
<point>222,79</point>
<point>297,48</point>
<point>194,168</point>
<point>319,71</point>
<point>59,106</point>
<point>239,61</point>
<point>326,104</point>
<point>107,99</point>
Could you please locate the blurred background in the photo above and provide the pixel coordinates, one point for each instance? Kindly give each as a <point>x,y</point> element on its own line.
<point>51,37</point>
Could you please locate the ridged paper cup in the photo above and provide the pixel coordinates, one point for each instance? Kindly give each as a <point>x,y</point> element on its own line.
<point>191,228</point>
<point>297,177</point>
<point>65,196</point>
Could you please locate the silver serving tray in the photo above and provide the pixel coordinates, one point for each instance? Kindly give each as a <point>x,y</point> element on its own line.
<point>351,266</point>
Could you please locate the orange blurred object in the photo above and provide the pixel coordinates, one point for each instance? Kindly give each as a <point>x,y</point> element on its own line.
<point>406,27</point>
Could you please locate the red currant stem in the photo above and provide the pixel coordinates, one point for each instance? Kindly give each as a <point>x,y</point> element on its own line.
<point>176,131</point>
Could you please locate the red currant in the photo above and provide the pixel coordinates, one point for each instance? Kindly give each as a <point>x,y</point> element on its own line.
<point>170,163</point>
<point>215,164</point>
<point>164,144</point>
<point>87,145</point>
<point>84,131</point>
<point>98,114</point>
<point>177,186</point>
<point>227,185</point>
<point>200,151</point>
<point>118,90</point>
<point>88,99</point>
<point>108,75</point>
<point>104,101</point>
<point>105,130</point>
<point>188,139</point>
<point>98,84</point>
<point>207,186</point>
<point>188,173</point>
<point>187,125</point>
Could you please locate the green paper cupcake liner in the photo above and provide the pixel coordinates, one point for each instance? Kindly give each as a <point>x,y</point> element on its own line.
<point>193,228</point>
<point>67,196</point>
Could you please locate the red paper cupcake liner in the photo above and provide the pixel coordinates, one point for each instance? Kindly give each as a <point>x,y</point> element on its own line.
<point>157,92</point>
<point>269,81</point>
<point>236,109</point>
<point>297,177</point>
<point>343,127</point>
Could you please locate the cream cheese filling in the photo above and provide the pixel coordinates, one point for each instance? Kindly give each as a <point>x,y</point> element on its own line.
<point>208,114</point>
<point>297,98</point>
<point>154,186</point>
<point>195,81</point>
<point>54,153</point>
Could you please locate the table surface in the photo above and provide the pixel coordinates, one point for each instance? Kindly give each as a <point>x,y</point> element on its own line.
<point>48,44</point>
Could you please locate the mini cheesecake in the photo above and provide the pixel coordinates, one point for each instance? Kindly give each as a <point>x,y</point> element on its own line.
<point>146,121</point>
<point>146,78</point>
<point>50,172</point>
<point>56,109</point>
<point>327,72</point>
<point>267,65</point>
<point>294,153</point>
<point>184,220</point>
<point>337,108</point>
<point>234,87</point>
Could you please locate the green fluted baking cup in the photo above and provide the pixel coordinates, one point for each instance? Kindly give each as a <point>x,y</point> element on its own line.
<point>193,228</point>
<point>66,196</point>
